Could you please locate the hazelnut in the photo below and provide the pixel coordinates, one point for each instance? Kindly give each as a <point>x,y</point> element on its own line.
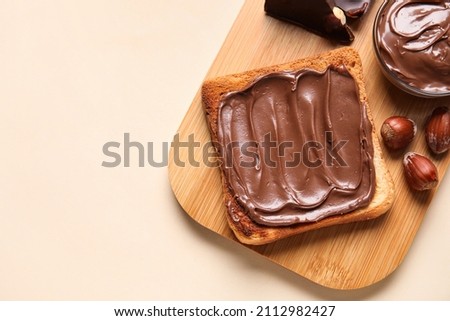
<point>420,172</point>
<point>335,20</point>
<point>339,13</point>
<point>437,130</point>
<point>397,132</point>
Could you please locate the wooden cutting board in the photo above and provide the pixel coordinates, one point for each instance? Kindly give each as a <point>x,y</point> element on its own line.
<point>342,257</point>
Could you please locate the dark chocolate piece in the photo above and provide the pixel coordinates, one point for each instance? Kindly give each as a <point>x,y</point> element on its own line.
<point>353,8</point>
<point>322,17</point>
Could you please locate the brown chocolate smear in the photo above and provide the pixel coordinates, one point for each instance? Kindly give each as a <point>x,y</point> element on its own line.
<point>414,41</point>
<point>297,147</point>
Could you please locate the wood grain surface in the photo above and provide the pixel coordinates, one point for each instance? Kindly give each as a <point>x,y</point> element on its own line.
<point>342,257</point>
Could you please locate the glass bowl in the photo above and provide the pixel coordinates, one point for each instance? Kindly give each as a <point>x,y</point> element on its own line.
<point>393,76</point>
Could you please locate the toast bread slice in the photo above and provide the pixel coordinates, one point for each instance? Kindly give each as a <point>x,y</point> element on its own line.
<point>244,228</point>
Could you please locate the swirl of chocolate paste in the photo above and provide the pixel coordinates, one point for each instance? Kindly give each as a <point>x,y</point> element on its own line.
<point>413,40</point>
<point>297,146</point>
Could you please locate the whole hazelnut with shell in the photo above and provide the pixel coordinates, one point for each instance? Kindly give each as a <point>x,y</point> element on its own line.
<point>397,132</point>
<point>437,130</point>
<point>420,172</point>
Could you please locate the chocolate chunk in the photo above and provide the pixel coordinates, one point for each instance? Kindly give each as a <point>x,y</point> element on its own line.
<point>322,17</point>
<point>353,8</point>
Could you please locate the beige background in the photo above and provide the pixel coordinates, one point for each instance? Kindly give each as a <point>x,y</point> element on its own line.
<point>78,74</point>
